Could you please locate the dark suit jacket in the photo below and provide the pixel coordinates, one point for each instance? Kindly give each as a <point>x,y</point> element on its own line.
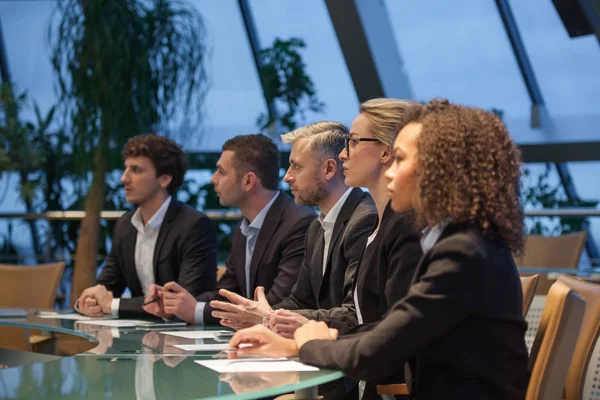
<point>276,259</point>
<point>185,252</point>
<point>314,290</point>
<point>384,273</point>
<point>460,324</point>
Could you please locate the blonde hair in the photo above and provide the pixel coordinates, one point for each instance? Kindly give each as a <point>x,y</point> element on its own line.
<point>387,117</point>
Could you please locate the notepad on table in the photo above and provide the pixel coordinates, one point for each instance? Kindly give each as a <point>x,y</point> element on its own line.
<point>193,334</point>
<point>256,365</point>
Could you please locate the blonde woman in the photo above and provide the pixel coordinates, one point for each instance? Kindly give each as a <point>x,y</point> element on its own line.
<point>460,327</point>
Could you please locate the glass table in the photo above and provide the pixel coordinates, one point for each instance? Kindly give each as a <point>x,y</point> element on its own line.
<point>92,361</point>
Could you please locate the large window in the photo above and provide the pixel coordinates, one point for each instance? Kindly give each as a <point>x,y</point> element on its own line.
<point>461,53</point>
<point>309,21</point>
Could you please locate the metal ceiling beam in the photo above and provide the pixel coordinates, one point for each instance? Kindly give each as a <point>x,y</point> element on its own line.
<point>4,70</point>
<point>591,9</point>
<point>561,152</point>
<point>255,46</point>
<point>516,42</point>
<point>367,40</point>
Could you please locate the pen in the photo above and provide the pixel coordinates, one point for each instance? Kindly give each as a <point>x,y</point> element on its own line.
<point>152,300</point>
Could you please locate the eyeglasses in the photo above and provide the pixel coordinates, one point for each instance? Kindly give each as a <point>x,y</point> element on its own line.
<point>351,142</point>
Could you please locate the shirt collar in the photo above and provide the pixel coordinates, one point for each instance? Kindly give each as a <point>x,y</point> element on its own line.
<point>328,220</point>
<point>259,219</point>
<point>155,222</point>
<point>430,236</point>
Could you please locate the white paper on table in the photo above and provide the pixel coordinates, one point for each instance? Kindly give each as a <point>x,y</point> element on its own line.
<point>117,323</point>
<point>256,365</point>
<point>193,334</point>
<point>75,317</point>
<point>207,347</point>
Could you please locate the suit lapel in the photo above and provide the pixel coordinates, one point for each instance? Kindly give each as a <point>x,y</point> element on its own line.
<point>129,243</point>
<point>340,223</point>
<point>270,224</point>
<point>316,258</point>
<point>162,233</point>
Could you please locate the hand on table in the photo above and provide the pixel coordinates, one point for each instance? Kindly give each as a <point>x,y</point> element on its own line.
<point>264,342</point>
<point>95,301</point>
<point>314,330</point>
<point>157,307</point>
<point>179,302</point>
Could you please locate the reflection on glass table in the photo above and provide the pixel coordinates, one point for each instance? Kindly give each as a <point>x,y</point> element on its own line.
<point>244,382</point>
<point>134,363</point>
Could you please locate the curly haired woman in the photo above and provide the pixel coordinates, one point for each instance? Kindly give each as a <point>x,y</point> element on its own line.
<point>460,328</point>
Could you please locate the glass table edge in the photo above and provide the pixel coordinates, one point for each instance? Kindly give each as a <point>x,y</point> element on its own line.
<point>330,376</point>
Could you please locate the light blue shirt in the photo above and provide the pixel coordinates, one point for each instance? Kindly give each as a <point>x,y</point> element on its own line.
<point>251,231</point>
<point>431,235</point>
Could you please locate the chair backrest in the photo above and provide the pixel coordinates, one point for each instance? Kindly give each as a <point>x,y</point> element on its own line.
<point>562,251</point>
<point>583,364</point>
<point>29,286</point>
<point>551,252</point>
<point>528,283</point>
<point>554,343</point>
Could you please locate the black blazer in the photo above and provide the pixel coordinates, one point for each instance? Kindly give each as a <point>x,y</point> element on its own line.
<point>383,276</point>
<point>185,252</point>
<point>314,290</point>
<point>276,259</point>
<point>461,325</point>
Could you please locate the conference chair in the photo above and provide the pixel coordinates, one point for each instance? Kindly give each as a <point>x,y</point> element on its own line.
<point>560,252</point>
<point>555,342</point>
<point>29,286</point>
<point>583,379</point>
<point>529,284</point>
<point>552,349</point>
<point>24,286</point>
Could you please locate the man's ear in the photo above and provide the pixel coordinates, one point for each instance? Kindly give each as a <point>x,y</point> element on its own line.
<point>165,180</point>
<point>249,181</point>
<point>331,168</point>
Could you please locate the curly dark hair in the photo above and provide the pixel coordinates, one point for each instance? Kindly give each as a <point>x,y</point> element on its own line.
<point>166,155</point>
<point>468,170</point>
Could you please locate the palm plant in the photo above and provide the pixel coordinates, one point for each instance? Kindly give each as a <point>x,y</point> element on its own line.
<point>124,67</point>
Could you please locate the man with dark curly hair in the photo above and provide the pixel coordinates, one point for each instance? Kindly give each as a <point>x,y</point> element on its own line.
<point>460,328</point>
<point>162,240</point>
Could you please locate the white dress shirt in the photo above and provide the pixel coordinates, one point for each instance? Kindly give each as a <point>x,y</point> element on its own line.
<point>251,231</point>
<point>144,249</point>
<point>328,222</point>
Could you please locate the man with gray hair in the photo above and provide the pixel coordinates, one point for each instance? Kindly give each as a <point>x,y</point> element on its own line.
<point>334,243</point>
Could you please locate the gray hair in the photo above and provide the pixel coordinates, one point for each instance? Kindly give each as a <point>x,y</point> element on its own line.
<point>327,138</point>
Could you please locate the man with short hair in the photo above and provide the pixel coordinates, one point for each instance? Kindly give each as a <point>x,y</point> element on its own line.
<point>162,240</point>
<point>267,247</point>
<point>334,243</point>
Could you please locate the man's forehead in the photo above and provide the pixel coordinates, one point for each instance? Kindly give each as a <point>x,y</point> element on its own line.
<point>139,161</point>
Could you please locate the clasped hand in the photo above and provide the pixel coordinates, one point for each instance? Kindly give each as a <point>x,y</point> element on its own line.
<point>173,300</point>
<point>95,301</point>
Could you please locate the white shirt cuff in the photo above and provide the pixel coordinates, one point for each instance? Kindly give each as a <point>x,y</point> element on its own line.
<point>199,313</point>
<point>114,307</point>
